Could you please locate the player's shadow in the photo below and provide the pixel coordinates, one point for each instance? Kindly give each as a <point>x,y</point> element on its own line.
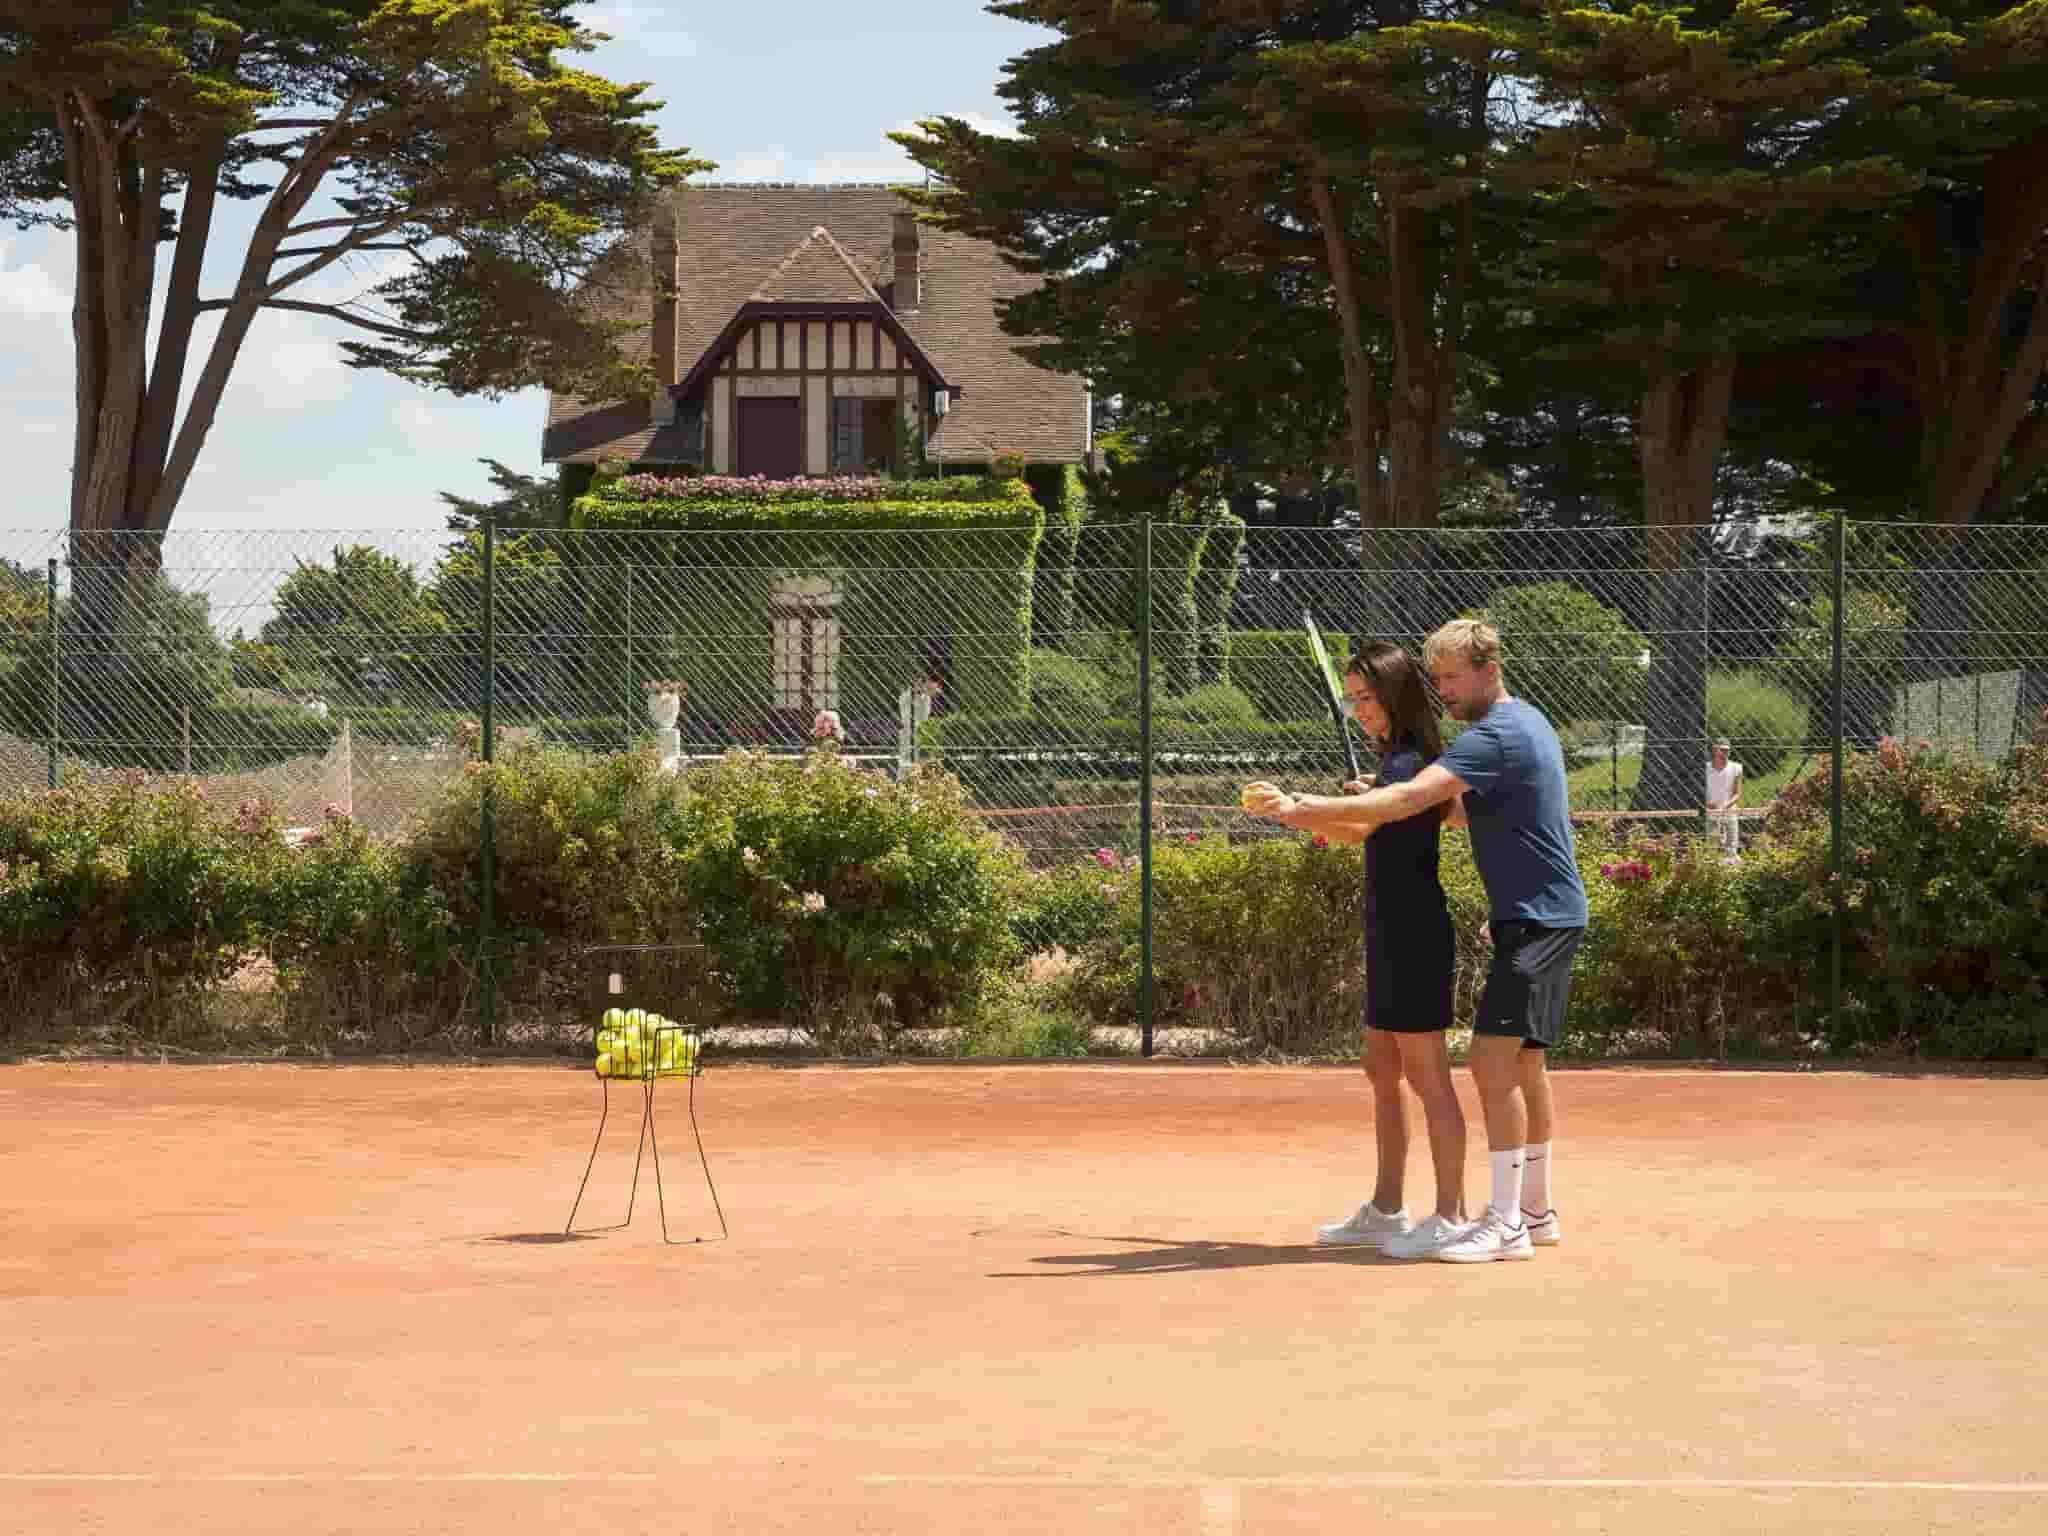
<point>541,1237</point>
<point>1163,1256</point>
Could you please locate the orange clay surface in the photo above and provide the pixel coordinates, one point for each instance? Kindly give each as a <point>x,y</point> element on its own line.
<point>957,1299</point>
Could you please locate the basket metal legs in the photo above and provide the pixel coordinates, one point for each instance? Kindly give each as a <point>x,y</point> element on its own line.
<point>647,1139</point>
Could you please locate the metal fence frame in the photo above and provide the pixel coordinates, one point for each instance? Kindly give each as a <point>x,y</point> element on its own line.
<point>1395,583</point>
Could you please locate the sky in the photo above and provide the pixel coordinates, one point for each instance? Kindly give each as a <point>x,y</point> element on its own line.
<point>779,90</point>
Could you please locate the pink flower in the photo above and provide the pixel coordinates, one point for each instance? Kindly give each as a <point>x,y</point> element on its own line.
<point>1106,857</point>
<point>1192,838</point>
<point>1319,841</point>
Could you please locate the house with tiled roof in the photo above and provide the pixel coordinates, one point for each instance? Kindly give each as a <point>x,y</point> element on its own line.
<point>817,330</point>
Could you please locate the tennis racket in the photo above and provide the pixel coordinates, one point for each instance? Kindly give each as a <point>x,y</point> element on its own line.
<point>1333,687</point>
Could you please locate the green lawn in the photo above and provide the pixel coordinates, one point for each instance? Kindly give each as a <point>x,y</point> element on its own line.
<point>1594,787</point>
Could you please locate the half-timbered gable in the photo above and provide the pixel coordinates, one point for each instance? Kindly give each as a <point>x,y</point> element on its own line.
<point>815,331</point>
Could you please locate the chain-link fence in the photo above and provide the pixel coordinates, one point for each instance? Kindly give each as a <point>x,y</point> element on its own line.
<point>348,673</point>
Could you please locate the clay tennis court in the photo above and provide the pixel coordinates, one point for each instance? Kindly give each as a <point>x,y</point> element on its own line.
<point>1069,1299</point>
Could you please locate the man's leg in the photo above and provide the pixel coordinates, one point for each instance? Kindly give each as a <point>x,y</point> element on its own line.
<point>1426,1063</point>
<point>1389,1117</point>
<point>1499,1234</point>
<point>1539,1206</point>
<point>1497,1071</point>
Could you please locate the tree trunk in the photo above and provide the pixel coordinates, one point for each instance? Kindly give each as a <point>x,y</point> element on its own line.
<point>1358,387</point>
<point>1682,426</point>
<point>1415,407</point>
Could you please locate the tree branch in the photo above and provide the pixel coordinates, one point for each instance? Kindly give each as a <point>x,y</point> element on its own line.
<point>2029,459</point>
<point>354,221</point>
<point>378,245</point>
<point>334,253</point>
<point>338,312</point>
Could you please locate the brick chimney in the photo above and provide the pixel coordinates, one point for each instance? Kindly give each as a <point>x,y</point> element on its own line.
<point>908,290</point>
<point>662,407</point>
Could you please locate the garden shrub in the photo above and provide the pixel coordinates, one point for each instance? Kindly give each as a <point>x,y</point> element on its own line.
<point>1763,722</point>
<point>1259,941</point>
<point>1273,669</point>
<point>849,904</point>
<point>121,905</point>
<point>1568,653</point>
<point>1945,894</point>
<point>1067,690</point>
<point>1211,704</point>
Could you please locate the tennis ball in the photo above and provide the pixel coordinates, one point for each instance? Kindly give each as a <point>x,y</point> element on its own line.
<point>636,1019</point>
<point>614,1018</point>
<point>606,1064</point>
<point>608,1041</point>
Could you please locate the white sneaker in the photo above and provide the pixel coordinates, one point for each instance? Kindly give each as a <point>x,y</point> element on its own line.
<point>1487,1239</point>
<point>1422,1240</point>
<point>1366,1227</point>
<point>1544,1230</point>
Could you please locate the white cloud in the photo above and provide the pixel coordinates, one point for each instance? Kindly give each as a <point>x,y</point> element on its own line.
<point>34,289</point>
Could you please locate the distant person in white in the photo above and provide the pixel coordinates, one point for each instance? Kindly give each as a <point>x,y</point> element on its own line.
<point>1724,799</point>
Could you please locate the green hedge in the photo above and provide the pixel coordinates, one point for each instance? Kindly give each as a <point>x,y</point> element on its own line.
<point>1274,668</point>
<point>1060,490</point>
<point>1215,589</point>
<point>701,605</point>
<point>962,501</point>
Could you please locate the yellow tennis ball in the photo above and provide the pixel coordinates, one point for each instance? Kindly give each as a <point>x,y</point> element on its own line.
<point>614,1018</point>
<point>606,1064</point>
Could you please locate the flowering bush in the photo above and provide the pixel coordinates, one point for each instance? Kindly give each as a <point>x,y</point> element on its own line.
<point>121,904</point>
<point>850,904</point>
<point>1260,941</point>
<point>1945,896</point>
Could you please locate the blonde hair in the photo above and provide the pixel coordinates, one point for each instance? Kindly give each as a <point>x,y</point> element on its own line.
<point>1474,641</point>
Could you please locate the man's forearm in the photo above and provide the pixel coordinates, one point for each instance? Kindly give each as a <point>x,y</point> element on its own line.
<point>1358,814</point>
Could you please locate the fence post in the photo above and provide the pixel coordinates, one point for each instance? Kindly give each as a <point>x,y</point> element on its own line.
<point>1145,981</point>
<point>488,843</point>
<point>56,679</point>
<point>1835,773</point>
<point>626,679</point>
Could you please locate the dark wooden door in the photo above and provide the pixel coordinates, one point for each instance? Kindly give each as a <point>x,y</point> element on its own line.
<point>771,437</point>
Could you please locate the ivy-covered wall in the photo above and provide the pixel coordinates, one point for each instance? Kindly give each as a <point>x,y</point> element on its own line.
<point>1064,497</point>
<point>691,570</point>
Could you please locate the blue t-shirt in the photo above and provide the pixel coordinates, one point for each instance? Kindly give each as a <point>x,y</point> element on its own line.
<point>1520,810</point>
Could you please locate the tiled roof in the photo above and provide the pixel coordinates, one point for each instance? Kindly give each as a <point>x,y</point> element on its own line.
<point>820,272</point>
<point>734,241</point>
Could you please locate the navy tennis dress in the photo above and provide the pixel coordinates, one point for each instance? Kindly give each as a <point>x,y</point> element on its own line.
<point>1410,945</point>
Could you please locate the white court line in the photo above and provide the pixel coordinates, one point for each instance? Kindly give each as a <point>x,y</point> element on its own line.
<point>329,1477</point>
<point>1220,1496</point>
<point>1222,1508</point>
<point>1218,1487</point>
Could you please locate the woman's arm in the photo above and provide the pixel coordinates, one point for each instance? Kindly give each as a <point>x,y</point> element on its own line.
<point>1335,816</point>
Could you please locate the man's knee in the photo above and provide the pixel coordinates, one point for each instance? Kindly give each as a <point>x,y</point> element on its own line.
<point>1382,1060</point>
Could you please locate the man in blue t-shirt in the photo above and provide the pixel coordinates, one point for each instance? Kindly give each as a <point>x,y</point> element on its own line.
<point>1510,768</point>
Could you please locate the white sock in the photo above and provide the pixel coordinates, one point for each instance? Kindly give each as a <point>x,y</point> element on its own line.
<point>1507,1185</point>
<point>1536,1178</point>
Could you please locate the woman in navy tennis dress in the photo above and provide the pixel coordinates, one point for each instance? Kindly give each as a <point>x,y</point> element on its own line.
<point>1410,960</point>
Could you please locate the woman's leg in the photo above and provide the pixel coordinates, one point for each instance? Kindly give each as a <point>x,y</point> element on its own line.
<point>1426,1062</point>
<point>1389,1117</point>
